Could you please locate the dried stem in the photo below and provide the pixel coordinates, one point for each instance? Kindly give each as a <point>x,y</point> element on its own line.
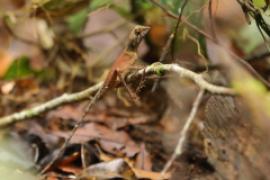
<point>183,72</point>
<point>54,103</point>
<point>179,20</point>
<point>183,19</point>
<point>183,135</point>
<point>162,57</point>
<point>206,35</point>
<point>69,98</point>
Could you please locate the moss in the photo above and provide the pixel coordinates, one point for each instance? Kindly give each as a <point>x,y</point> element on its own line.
<point>158,68</point>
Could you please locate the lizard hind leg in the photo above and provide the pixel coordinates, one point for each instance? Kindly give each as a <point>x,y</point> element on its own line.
<point>141,83</point>
<point>131,93</point>
<point>122,97</point>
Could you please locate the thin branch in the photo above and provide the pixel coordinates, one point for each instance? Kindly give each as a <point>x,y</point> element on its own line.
<point>190,25</point>
<point>162,57</point>
<point>52,104</point>
<point>184,20</point>
<point>258,57</point>
<point>73,131</point>
<point>179,20</point>
<point>185,73</point>
<point>69,98</point>
<point>183,135</point>
<point>211,19</point>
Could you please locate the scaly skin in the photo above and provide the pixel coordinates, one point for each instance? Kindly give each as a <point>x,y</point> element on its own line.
<point>124,61</point>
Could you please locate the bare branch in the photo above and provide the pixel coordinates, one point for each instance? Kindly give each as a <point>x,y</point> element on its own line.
<point>183,72</point>
<point>206,35</point>
<point>183,135</point>
<point>69,98</point>
<point>162,57</point>
<point>35,111</point>
<point>184,20</point>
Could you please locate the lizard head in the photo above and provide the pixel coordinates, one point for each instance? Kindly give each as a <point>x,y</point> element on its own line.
<point>136,36</point>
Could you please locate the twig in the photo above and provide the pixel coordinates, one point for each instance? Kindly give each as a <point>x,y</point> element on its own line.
<point>135,37</point>
<point>69,98</point>
<point>190,25</point>
<point>184,20</point>
<point>179,20</point>
<point>35,111</point>
<point>211,19</point>
<point>162,57</point>
<point>183,72</point>
<point>171,40</point>
<point>258,57</point>
<point>73,131</point>
<point>183,135</point>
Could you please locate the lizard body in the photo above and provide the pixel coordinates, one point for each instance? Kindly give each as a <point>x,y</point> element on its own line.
<point>124,61</point>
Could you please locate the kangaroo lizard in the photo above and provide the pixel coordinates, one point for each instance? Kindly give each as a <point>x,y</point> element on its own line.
<point>123,63</point>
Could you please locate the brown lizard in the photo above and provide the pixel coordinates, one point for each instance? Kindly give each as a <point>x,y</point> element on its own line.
<point>121,65</point>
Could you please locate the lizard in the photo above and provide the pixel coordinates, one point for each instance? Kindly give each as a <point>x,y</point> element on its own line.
<point>123,63</point>
<point>120,66</point>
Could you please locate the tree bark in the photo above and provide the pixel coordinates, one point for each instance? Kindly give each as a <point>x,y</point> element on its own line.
<point>225,144</point>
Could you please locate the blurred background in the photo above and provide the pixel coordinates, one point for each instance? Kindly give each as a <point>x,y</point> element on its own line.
<point>52,47</point>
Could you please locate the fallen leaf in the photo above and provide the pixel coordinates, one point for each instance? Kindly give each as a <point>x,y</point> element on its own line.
<point>5,62</point>
<point>116,142</point>
<point>143,159</point>
<point>117,168</point>
<point>150,174</point>
<point>70,169</point>
<point>115,118</point>
<point>7,87</point>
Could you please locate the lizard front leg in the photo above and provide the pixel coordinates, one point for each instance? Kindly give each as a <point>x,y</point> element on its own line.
<point>132,95</point>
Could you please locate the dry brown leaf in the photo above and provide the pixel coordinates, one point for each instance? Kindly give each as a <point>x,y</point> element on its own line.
<point>150,174</point>
<point>7,87</point>
<point>5,62</point>
<point>66,113</point>
<point>117,168</point>
<point>70,169</point>
<point>113,117</point>
<point>33,128</point>
<point>105,157</point>
<point>115,142</point>
<point>227,14</point>
<point>143,159</point>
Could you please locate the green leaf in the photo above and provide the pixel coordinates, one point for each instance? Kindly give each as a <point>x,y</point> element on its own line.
<point>250,85</point>
<point>95,4</point>
<point>249,37</point>
<point>78,20</point>
<point>157,67</point>
<point>143,4</point>
<point>20,68</point>
<point>259,3</point>
<point>174,5</point>
<point>55,4</point>
<point>122,11</point>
